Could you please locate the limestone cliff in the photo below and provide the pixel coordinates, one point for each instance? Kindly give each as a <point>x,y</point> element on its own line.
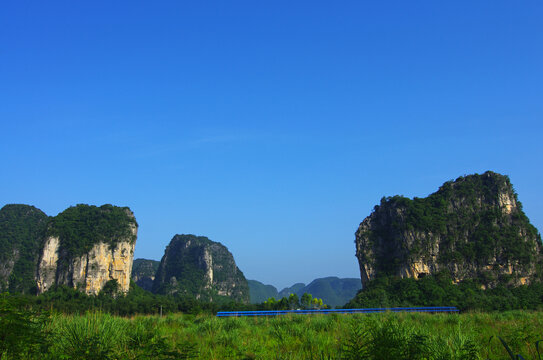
<point>196,266</point>
<point>87,246</point>
<point>472,228</point>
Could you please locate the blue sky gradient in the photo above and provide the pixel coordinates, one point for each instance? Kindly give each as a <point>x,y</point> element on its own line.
<point>272,127</point>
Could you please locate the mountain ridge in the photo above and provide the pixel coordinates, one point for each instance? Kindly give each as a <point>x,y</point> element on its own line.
<point>334,291</point>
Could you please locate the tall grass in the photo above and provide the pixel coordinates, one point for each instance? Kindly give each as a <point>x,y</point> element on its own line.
<point>91,336</point>
<point>319,337</point>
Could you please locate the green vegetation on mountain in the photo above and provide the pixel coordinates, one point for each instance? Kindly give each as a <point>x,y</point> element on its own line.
<point>332,290</point>
<point>82,226</point>
<point>21,234</point>
<point>196,266</point>
<point>260,292</point>
<point>294,289</point>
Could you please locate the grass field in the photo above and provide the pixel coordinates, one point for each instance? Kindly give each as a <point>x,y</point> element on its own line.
<point>377,336</point>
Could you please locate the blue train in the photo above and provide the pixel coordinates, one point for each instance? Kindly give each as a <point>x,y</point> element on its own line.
<point>429,309</point>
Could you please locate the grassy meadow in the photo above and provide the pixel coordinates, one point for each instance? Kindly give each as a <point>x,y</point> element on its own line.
<point>359,336</point>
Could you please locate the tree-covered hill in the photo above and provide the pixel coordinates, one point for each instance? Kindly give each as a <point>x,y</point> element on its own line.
<point>332,290</point>
<point>294,289</point>
<point>22,228</point>
<point>260,292</point>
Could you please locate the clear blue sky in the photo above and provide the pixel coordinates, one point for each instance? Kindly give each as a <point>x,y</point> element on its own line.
<point>273,127</point>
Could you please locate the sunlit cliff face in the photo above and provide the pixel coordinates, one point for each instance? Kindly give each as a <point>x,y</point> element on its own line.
<point>91,271</point>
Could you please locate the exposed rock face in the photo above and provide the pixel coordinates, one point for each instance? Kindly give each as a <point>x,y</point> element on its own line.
<point>143,273</point>
<point>473,228</point>
<point>47,268</point>
<point>22,228</point>
<point>91,271</point>
<point>90,265</point>
<point>196,266</point>
<point>83,247</point>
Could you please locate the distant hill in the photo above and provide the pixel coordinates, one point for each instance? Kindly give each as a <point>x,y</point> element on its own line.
<point>260,292</point>
<point>294,289</point>
<point>332,290</point>
<point>143,272</point>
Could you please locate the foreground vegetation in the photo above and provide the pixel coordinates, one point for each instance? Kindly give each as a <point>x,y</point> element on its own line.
<point>25,333</point>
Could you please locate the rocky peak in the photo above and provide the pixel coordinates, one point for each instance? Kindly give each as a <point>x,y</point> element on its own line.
<point>196,266</point>
<point>473,227</point>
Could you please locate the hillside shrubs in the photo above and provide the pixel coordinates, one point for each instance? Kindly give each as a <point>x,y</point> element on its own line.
<point>439,290</point>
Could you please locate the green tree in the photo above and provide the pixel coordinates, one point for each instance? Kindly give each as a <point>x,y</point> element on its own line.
<point>306,300</point>
<point>293,301</point>
<point>317,303</point>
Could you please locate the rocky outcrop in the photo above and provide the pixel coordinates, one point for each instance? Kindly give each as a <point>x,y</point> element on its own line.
<point>472,228</point>
<point>84,247</point>
<point>89,272</point>
<point>196,266</point>
<point>87,262</point>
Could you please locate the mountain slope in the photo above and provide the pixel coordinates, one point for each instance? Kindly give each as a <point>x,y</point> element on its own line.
<point>260,292</point>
